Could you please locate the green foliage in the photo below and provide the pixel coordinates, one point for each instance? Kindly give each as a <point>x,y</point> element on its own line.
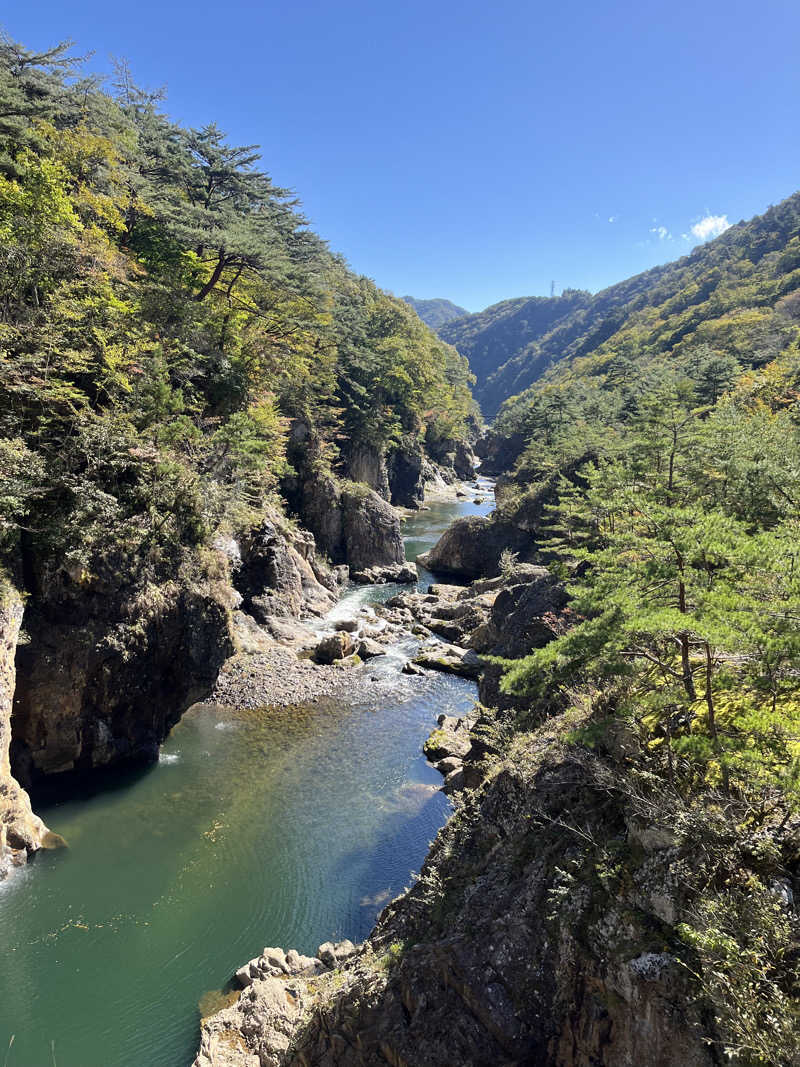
<point>689,591</point>
<point>164,312</point>
<point>741,939</point>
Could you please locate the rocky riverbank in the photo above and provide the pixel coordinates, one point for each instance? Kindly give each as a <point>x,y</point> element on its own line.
<point>546,925</point>
<point>517,944</point>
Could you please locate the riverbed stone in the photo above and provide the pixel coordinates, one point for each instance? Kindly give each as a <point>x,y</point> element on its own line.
<point>369,649</point>
<point>334,647</point>
<point>411,668</point>
<point>451,659</point>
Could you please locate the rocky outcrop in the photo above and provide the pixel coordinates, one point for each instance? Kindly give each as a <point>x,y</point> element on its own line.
<point>103,678</point>
<point>498,454</point>
<point>408,470</point>
<point>507,616</point>
<point>279,576</point>
<point>471,548</point>
<point>370,530</point>
<point>367,465</point>
<point>453,455</point>
<point>351,523</point>
<point>21,832</point>
<point>519,943</point>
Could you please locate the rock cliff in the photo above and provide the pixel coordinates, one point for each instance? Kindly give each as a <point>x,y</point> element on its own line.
<point>101,680</point>
<point>21,832</point>
<point>548,923</point>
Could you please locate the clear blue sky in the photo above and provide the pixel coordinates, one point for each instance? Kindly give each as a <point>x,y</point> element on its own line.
<point>473,150</point>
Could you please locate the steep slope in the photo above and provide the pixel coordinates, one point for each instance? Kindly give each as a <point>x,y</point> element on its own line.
<point>719,295</point>
<point>436,312</point>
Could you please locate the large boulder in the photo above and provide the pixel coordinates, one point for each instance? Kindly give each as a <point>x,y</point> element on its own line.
<point>450,659</point>
<point>471,548</point>
<point>334,647</point>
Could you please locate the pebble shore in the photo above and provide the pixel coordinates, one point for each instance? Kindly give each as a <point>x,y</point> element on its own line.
<point>276,676</point>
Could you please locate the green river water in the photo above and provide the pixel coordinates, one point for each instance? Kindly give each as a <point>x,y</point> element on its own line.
<point>278,827</point>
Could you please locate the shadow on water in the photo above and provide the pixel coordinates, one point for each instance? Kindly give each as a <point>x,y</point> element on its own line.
<point>50,793</point>
<point>432,809</point>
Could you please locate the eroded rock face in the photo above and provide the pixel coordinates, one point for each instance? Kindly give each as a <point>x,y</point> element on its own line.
<point>21,832</point>
<point>278,575</point>
<point>351,523</point>
<point>407,471</point>
<point>371,531</point>
<point>367,465</point>
<point>102,680</point>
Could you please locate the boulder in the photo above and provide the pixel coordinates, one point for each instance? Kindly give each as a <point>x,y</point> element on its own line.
<point>454,782</point>
<point>452,659</point>
<point>369,649</point>
<point>411,668</point>
<point>348,625</point>
<point>334,647</point>
<point>402,573</point>
<point>471,548</point>
<point>331,953</point>
<point>448,743</point>
<point>448,765</point>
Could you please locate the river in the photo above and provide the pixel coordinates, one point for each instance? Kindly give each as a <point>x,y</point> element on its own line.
<point>282,827</point>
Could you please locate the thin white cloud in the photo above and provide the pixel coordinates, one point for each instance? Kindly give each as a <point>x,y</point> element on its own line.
<point>662,233</point>
<point>612,218</point>
<point>710,226</point>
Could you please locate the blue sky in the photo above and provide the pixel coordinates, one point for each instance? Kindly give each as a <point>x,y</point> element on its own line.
<point>479,151</point>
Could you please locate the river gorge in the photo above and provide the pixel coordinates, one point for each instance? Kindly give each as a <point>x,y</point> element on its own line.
<point>284,826</point>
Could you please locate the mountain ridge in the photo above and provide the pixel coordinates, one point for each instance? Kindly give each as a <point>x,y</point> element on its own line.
<point>514,343</point>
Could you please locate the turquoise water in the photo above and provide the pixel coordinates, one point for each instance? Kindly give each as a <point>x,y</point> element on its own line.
<point>280,827</point>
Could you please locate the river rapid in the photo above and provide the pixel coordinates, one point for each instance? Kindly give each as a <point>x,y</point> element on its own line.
<point>285,827</point>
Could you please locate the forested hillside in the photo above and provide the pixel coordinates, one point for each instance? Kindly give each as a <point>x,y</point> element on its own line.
<point>720,296</point>
<point>165,312</point>
<point>492,340</point>
<point>436,313</point>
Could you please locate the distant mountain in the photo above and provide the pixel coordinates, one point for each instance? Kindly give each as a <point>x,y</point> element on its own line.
<point>498,336</point>
<point>721,295</point>
<point>436,313</point>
